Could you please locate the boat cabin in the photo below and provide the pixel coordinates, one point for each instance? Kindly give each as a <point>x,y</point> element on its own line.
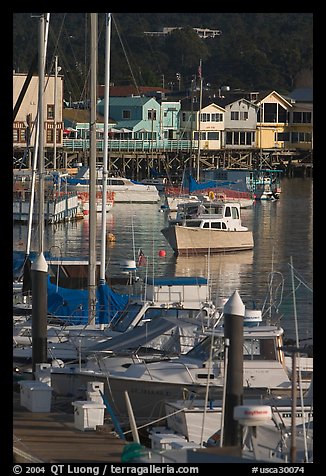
<point>218,215</point>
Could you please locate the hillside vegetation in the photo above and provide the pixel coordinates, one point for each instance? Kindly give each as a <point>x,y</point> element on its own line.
<point>254,51</point>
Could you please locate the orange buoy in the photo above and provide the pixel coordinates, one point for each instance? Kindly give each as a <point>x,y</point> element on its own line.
<point>162,253</point>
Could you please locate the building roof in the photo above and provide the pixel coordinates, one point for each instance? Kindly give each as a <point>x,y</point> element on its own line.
<point>80,115</point>
<point>302,94</point>
<point>127,101</point>
<point>131,90</point>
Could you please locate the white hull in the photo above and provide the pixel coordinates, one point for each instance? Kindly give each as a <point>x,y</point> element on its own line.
<point>123,189</point>
<point>151,385</point>
<point>147,398</point>
<point>109,206</point>
<point>191,420</point>
<point>128,195</point>
<point>192,241</point>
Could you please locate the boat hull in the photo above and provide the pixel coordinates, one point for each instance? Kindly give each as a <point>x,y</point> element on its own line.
<point>193,241</point>
<point>147,399</point>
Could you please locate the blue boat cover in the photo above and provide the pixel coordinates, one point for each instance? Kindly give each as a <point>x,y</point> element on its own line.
<point>176,281</point>
<point>71,305</point>
<point>195,186</point>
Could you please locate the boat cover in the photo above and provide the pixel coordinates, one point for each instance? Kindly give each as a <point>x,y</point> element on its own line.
<point>71,305</point>
<point>140,335</point>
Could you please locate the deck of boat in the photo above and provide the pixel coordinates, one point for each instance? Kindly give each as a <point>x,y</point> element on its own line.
<point>53,438</point>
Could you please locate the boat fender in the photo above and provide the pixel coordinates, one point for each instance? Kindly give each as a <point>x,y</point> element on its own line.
<point>214,440</point>
<point>111,237</point>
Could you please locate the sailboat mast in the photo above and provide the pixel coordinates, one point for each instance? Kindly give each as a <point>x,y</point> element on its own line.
<point>92,174</point>
<point>199,118</point>
<point>105,151</point>
<point>39,268</point>
<point>41,135</point>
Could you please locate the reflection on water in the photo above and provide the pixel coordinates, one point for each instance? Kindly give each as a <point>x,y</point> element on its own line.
<point>225,271</point>
<point>283,231</point>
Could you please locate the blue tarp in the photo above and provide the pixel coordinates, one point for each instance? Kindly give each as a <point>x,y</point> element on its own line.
<point>71,305</point>
<point>195,186</point>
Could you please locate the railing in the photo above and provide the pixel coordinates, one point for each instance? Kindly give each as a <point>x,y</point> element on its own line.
<point>132,145</point>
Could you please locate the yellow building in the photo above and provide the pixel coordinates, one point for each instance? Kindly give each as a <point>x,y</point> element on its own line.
<point>284,123</point>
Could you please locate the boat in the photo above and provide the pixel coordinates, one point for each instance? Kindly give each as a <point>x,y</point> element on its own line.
<point>59,206</point>
<point>201,370</point>
<point>199,421</point>
<point>271,431</point>
<point>173,201</point>
<point>208,228</point>
<point>124,189</point>
<point>83,197</point>
<point>185,299</point>
<point>265,184</point>
<point>159,182</point>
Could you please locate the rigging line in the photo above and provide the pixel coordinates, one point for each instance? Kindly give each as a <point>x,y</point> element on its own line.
<point>273,303</point>
<point>56,40</point>
<point>210,367</point>
<point>70,81</point>
<point>293,362</point>
<point>125,53</point>
<point>150,45</point>
<point>299,278</point>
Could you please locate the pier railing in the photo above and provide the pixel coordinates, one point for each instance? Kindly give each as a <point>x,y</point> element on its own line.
<point>132,145</point>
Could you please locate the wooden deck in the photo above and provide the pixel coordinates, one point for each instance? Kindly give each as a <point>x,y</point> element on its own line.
<point>53,438</point>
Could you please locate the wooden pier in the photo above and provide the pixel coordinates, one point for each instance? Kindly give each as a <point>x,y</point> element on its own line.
<point>40,437</point>
<point>138,164</point>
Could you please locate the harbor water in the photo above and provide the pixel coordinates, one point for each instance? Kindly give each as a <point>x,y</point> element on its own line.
<point>277,275</point>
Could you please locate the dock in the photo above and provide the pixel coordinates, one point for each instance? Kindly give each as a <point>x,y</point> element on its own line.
<point>51,437</point>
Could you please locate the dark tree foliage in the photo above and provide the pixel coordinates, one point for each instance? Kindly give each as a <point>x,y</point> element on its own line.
<point>254,51</point>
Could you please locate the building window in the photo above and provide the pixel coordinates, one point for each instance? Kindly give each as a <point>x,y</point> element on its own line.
<point>217,117</point>
<point>49,136</point>
<point>282,137</point>
<point>282,114</point>
<point>244,115</point>
<point>126,114</point>
<point>270,112</point>
<point>213,135</point>
<point>50,112</point>
<point>19,136</point>
<point>301,117</point>
<point>151,115</point>
<point>205,117</point>
<point>234,115</point>
<point>202,135</point>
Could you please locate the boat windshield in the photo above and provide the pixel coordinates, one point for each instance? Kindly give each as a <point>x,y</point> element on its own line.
<point>129,315</point>
<point>126,318</point>
<point>253,349</point>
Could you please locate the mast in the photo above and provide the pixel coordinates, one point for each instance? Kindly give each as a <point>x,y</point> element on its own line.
<point>55,114</point>
<point>92,174</point>
<point>199,121</point>
<point>105,150</point>
<point>39,267</point>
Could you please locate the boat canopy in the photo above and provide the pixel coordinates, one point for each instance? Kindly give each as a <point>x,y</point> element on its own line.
<point>211,184</point>
<point>71,305</point>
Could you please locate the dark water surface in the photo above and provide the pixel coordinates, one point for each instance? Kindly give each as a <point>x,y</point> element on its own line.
<point>283,233</point>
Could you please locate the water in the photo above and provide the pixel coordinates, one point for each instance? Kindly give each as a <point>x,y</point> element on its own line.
<point>283,233</point>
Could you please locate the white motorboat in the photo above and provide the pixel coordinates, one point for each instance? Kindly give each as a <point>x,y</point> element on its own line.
<point>204,228</point>
<point>124,189</point>
<point>199,422</point>
<point>185,299</point>
<point>151,384</point>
